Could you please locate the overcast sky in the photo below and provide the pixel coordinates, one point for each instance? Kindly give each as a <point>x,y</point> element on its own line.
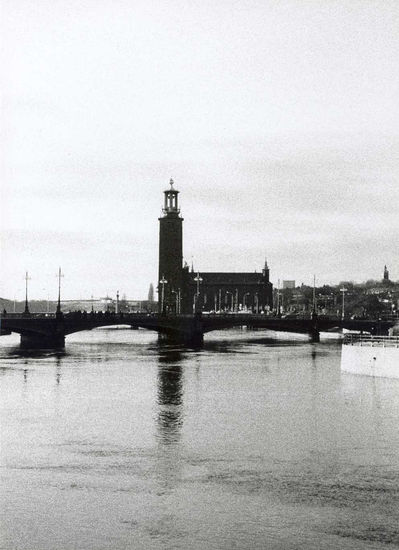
<point>278,121</point>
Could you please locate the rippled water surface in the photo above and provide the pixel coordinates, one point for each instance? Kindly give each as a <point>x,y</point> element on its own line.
<point>124,442</point>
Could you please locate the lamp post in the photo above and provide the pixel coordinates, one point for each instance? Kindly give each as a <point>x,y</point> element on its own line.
<point>117,303</point>
<point>220,299</point>
<point>343,290</point>
<point>236,299</point>
<point>256,302</point>
<point>58,312</point>
<point>278,297</point>
<point>198,280</point>
<point>27,278</point>
<point>314,293</point>
<point>163,282</point>
<point>176,293</point>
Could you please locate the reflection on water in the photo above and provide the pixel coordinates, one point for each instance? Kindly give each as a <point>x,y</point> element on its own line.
<point>170,394</point>
<point>251,442</point>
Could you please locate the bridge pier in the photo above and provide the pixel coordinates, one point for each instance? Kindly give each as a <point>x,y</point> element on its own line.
<point>314,335</point>
<point>42,341</point>
<point>185,331</point>
<point>314,329</point>
<point>191,339</point>
<point>195,339</point>
<point>195,336</point>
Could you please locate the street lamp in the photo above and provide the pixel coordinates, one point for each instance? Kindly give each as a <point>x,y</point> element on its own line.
<point>163,282</point>
<point>314,294</point>
<point>278,297</point>
<point>117,303</point>
<point>256,302</point>
<point>198,280</point>
<point>58,312</point>
<point>27,278</point>
<point>343,290</point>
<point>236,308</point>
<point>176,293</point>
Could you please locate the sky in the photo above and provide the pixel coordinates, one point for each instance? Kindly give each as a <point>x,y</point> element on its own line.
<point>278,121</point>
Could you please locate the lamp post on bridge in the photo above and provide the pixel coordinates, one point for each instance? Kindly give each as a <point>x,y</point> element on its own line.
<point>27,278</point>
<point>163,282</point>
<point>176,293</point>
<point>278,298</point>
<point>198,280</point>
<point>343,290</point>
<point>314,295</point>
<point>58,311</point>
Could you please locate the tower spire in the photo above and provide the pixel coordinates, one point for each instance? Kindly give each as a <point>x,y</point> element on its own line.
<point>170,282</point>
<point>171,201</point>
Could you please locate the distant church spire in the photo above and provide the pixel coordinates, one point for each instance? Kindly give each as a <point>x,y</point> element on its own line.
<point>386,274</point>
<point>265,270</point>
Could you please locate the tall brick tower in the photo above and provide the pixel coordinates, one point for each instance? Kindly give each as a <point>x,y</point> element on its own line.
<point>170,254</point>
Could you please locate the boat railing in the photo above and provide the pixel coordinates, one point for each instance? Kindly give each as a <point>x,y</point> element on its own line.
<point>371,341</point>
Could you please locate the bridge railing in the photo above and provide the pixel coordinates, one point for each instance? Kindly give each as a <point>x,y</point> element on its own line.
<point>26,315</point>
<point>371,341</point>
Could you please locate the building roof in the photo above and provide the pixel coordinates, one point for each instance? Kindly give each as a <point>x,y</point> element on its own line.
<point>214,278</point>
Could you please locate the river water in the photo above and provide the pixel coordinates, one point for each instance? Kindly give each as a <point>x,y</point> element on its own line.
<point>252,442</point>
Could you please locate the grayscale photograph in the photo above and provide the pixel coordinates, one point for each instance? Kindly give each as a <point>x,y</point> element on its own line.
<point>199,282</point>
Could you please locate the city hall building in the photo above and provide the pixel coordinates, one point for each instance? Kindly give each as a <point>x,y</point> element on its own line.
<point>181,290</point>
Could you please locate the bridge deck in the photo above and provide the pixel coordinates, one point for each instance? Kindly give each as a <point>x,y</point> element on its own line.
<point>78,321</point>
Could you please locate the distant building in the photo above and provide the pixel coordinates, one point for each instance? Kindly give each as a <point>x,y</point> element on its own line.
<point>151,293</point>
<point>288,284</point>
<point>184,291</point>
<point>386,275</point>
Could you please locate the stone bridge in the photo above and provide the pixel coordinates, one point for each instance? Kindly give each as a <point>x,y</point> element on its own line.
<point>50,330</point>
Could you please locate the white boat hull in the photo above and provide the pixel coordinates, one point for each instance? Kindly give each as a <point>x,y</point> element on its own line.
<point>370,360</point>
